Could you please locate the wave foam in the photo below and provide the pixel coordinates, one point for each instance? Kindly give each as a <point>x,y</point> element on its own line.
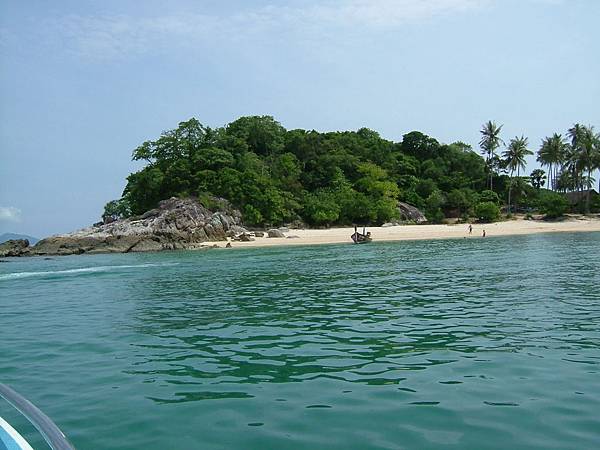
<point>18,275</point>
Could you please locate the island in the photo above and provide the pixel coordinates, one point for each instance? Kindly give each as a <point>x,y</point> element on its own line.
<point>252,181</point>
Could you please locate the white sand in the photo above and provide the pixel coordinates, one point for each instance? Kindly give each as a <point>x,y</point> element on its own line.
<point>416,232</point>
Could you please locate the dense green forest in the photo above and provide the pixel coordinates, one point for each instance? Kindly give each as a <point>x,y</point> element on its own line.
<point>277,176</point>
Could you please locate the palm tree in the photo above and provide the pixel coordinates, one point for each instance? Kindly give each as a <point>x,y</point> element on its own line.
<point>514,157</point>
<point>582,159</point>
<point>571,165</point>
<point>588,156</point>
<point>573,159</point>
<point>490,141</point>
<point>597,159</point>
<point>537,178</point>
<point>551,154</point>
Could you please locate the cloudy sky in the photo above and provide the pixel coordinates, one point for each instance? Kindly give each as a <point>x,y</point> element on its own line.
<point>83,82</point>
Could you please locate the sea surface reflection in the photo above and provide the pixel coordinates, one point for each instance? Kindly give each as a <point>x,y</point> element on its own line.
<point>458,344</point>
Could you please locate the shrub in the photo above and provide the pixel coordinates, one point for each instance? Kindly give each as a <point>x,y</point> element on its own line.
<point>115,210</point>
<point>553,205</point>
<point>252,216</point>
<point>595,204</point>
<point>489,196</point>
<point>487,211</point>
<point>433,207</point>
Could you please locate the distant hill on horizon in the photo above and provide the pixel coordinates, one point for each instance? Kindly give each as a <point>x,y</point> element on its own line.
<point>8,236</point>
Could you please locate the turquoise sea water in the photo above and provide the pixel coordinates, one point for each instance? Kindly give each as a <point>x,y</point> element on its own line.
<point>462,344</point>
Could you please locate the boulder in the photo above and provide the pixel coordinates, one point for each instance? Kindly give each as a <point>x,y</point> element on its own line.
<point>235,230</point>
<point>14,247</point>
<point>410,213</point>
<point>275,233</point>
<point>175,224</point>
<point>259,234</point>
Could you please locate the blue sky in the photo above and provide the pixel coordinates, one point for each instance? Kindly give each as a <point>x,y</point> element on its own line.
<point>83,82</point>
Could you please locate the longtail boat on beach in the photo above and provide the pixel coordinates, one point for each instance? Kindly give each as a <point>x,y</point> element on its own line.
<point>361,238</point>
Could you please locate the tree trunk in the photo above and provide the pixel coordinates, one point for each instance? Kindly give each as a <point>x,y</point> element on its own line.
<point>509,191</point>
<point>589,188</point>
<point>491,171</point>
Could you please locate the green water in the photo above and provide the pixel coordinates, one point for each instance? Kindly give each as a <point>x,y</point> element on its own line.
<point>458,344</point>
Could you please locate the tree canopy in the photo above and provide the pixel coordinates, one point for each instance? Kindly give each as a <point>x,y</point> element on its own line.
<point>276,176</point>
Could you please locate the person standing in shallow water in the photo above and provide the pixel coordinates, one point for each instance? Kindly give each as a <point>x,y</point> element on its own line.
<point>483,233</point>
<point>470,228</point>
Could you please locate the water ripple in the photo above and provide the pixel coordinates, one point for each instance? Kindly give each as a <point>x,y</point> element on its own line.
<point>416,344</point>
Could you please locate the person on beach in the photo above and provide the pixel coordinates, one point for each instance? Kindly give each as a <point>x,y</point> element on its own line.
<point>483,233</point>
<point>470,229</point>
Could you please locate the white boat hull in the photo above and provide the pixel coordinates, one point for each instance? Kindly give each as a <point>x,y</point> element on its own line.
<point>10,439</point>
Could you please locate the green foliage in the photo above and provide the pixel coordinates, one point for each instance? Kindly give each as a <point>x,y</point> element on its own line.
<point>322,208</point>
<point>461,200</point>
<point>537,178</point>
<point>487,211</point>
<point>262,135</point>
<point>252,216</point>
<point>425,188</point>
<point>276,176</point>
<point>433,207</point>
<point>489,196</point>
<point>553,205</point>
<point>116,209</point>
<point>595,204</point>
<point>145,189</point>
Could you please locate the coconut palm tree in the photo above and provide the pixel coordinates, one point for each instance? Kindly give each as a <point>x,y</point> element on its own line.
<point>551,154</point>
<point>490,141</point>
<point>573,154</point>
<point>571,164</point>
<point>537,178</point>
<point>597,159</point>
<point>514,158</point>
<point>588,159</point>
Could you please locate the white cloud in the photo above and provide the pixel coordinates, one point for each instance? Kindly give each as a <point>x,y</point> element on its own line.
<point>388,13</point>
<point>113,36</point>
<point>10,214</point>
<point>108,37</point>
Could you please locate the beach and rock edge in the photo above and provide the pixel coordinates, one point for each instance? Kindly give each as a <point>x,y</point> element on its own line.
<point>175,224</point>
<point>184,224</point>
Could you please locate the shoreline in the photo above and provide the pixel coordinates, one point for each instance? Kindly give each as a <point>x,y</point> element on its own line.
<point>396,233</point>
<point>423,232</point>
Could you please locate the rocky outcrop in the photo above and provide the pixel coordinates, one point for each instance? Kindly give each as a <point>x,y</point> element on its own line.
<point>275,233</point>
<point>175,224</point>
<point>409,213</point>
<point>13,247</point>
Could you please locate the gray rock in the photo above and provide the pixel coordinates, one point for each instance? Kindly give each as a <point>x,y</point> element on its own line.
<point>274,233</point>
<point>175,224</point>
<point>14,247</point>
<point>235,230</point>
<point>259,234</point>
<point>410,213</point>
<point>388,225</point>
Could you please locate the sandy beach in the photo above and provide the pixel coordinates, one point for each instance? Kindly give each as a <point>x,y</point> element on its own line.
<point>422,232</point>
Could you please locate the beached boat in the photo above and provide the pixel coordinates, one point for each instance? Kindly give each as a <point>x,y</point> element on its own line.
<point>361,238</point>
<point>10,439</point>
